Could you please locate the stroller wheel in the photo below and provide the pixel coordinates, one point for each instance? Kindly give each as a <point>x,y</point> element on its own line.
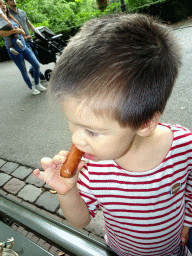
<point>48,74</point>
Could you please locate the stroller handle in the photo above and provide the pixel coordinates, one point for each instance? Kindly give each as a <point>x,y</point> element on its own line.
<point>56,36</point>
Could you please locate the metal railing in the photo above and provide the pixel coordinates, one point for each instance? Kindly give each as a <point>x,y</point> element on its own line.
<point>64,236</point>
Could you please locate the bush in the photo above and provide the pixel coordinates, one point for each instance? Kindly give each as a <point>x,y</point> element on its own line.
<point>67,16</point>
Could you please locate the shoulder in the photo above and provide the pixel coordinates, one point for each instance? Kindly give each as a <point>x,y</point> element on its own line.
<point>176,128</point>
<point>182,137</point>
<point>180,131</point>
<point>22,13</point>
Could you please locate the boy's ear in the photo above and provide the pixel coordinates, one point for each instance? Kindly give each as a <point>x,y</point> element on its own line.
<point>150,126</point>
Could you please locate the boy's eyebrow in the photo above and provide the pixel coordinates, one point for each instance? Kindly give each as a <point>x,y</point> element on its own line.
<point>91,127</point>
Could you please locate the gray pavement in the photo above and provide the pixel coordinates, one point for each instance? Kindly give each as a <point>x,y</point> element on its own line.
<point>33,127</point>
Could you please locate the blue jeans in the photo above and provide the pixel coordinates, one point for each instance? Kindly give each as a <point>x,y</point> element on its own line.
<point>19,61</point>
<point>30,45</point>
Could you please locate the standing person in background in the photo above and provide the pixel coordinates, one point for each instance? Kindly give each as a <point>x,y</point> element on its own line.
<point>24,54</point>
<point>22,18</point>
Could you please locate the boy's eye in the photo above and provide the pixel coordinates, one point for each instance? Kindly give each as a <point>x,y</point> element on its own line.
<point>90,133</point>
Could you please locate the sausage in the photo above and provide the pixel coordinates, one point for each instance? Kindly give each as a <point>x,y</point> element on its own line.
<point>70,165</point>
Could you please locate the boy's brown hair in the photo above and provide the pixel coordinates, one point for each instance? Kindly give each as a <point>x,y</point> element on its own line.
<point>123,66</point>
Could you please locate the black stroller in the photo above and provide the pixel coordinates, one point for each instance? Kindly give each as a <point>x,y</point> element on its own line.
<point>48,46</point>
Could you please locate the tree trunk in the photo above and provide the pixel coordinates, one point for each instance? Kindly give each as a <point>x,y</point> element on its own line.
<point>102,4</point>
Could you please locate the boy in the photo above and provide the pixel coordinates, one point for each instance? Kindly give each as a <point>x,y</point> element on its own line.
<point>113,81</point>
<point>5,24</point>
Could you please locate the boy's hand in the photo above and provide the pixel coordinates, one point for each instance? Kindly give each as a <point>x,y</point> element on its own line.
<point>185,235</point>
<point>51,174</point>
<point>28,37</point>
<point>16,30</point>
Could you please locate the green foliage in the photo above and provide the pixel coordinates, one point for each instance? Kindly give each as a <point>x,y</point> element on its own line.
<point>64,15</point>
<point>1,42</point>
<point>67,16</point>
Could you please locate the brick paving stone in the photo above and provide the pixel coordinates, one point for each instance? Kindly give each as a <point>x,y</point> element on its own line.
<point>60,213</point>
<point>35,239</point>
<point>30,193</point>
<point>4,178</point>
<point>24,232</point>
<point>41,242</point>
<point>9,167</point>
<point>20,229</point>
<point>35,181</point>
<point>2,162</point>
<point>14,186</point>
<point>52,249</point>
<point>22,172</point>
<point>46,246</point>
<point>30,235</point>
<point>48,201</point>
<point>14,226</point>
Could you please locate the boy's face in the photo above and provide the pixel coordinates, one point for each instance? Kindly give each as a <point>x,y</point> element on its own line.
<point>100,138</point>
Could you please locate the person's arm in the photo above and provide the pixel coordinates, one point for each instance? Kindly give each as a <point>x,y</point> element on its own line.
<point>4,33</point>
<point>73,206</point>
<point>3,16</point>
<point>15,30</point>
<point>30,26</point>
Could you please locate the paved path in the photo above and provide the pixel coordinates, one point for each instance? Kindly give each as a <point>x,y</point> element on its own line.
<point>33,126</point>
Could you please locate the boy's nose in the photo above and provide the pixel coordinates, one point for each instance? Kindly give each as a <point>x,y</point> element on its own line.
<point>78,138</point>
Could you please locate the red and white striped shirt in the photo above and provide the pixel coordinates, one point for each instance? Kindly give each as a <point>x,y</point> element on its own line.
<point>144,212</point>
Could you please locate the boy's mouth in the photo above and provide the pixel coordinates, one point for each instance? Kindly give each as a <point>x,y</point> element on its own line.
<point>90,157</point>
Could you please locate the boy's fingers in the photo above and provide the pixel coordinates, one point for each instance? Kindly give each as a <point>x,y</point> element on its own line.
<point>47,162</point>
<point>184,235</point>
<point>81,165</point>
<point>59,159</point>
<point>63,153</point>
<point>38,174</point>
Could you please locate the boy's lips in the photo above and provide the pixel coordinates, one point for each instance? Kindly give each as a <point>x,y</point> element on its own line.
<point>90,157</point>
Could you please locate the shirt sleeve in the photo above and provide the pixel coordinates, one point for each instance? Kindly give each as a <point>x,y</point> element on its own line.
<point>86,193</point>
<point>188,201</point>
<point>188,189</point>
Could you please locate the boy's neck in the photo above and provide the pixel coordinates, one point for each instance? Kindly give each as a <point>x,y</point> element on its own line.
<point>146,153</point>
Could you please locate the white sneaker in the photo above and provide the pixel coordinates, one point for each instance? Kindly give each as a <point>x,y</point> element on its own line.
<point>19,43</point>
<point>12,50</point>
<point>34,90</point>
<point>40,87</point>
